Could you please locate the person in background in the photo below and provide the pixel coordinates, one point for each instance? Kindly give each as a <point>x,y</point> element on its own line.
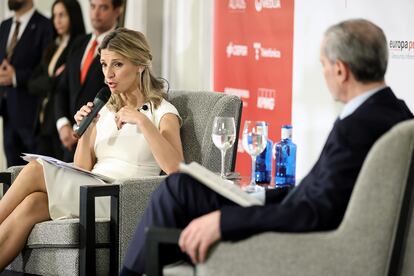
<point>23,39</point>
<point>68,25</point>
<point>354,58</point>
<point>124,141</point>
<point>83,77</point>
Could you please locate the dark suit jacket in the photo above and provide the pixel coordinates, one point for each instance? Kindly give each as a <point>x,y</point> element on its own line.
<point>42,85</point>
<point>319,202</point>
<point>71,95</point>
<point>21,107</point>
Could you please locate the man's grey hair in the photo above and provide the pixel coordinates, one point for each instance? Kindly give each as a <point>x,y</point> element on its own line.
<point>361,45</point>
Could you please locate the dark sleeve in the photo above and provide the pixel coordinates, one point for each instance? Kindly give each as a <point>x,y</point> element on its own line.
<point>276,195</point>
<point>3,37</point>
<point>318,203</point>
<point>22,76</point>
<point>62,96</point>
<point>46,34</point>
<point>62,105</point>
<point>40,84</point>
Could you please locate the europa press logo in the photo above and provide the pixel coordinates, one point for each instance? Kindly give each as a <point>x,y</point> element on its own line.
<point>262,52</point>
<point>401,49</point>
<point>238,50</point>
<point>267,4</point>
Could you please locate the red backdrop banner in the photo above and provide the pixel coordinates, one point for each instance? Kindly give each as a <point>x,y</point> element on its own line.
<point>253,45</point>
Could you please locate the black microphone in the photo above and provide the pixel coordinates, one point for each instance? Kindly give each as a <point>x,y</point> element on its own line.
<point>100,100</point>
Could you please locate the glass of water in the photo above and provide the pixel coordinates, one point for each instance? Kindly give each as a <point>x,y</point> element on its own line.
<point>223,135</point>
<point>254,142</point>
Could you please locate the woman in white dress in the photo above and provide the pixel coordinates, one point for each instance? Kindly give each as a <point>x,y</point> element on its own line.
<point>125,140</point>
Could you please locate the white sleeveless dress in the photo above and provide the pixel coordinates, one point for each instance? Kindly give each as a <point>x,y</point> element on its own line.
<point>120,154</point>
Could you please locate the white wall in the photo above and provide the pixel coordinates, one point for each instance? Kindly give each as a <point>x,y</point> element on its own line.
<point>313,109</point>
<point>188,46</point>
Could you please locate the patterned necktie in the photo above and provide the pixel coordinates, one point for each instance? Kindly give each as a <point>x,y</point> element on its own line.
<point>13,41</point>
<point>88,61</point>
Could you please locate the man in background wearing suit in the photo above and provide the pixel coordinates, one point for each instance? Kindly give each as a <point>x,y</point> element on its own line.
<point>22,41</point>
<point>83,77</point>
<point>354,58</point>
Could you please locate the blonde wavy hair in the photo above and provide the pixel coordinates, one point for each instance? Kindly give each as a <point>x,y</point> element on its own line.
<point>134,46</point>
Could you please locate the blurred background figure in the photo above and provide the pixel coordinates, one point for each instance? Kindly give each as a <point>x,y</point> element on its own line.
<point>68,25</point>
<point>23,39</point>
<point>83,76</point>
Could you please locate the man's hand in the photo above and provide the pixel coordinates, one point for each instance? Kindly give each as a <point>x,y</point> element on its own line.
<point>199,235</point>
<point>66,137</point>
<point>6,73</point>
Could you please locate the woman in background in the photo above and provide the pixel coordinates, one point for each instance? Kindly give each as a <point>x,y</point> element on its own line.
<point>68,25</point>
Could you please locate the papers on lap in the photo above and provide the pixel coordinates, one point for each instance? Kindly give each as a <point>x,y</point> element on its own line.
<point>222,186</point>
<point>58,163</point>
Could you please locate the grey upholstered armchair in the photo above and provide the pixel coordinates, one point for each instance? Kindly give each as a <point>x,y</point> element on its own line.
<point>66,247</point>
<point>376,236</point>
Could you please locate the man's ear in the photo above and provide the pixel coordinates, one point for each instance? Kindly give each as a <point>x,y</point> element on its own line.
<point>341,71</point>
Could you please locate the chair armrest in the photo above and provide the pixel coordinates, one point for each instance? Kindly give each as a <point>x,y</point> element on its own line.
<point>315,253</point>
<point>87,241</point>
<point>7,177</point>
<point>129,198</point>
<point>134,195</point>
<point>263,254</point>
<point>14,171</point>
<point>155,236</point>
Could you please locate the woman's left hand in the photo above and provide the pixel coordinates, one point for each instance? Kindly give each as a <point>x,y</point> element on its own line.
<point>127,115</point>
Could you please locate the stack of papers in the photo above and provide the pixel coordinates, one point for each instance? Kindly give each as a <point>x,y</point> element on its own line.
<point>222,186</point>
<point>61,164</point>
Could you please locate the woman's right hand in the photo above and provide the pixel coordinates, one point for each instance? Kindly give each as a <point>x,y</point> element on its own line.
<point>83,112</point>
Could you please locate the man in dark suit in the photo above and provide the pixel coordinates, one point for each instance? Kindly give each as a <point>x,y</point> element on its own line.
<point>354,58</point>
<point>83,76</point>
<point>22,41</point>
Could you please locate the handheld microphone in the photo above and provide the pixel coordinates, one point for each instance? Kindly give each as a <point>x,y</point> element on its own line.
<point>100,100</point>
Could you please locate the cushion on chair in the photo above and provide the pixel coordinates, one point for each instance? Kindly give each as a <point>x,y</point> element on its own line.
<point>64,233</point>
<point>52,249</point>
<point>198,110</point>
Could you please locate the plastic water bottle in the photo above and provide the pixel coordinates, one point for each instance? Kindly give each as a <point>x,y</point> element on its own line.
<point>285,159</point>
<point>263,172</point>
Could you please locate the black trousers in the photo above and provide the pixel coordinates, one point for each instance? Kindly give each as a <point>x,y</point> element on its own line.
<point>174,204</point>
<point>17,140</point>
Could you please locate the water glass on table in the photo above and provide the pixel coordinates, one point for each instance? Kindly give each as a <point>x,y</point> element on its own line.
<point>223,135</point>
<point>254,142</point>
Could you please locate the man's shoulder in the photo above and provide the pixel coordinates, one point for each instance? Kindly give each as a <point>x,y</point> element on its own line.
<point>373,118</point>
<point>78,45</point>
<point>81,40</point>
<point>6,22</point>
<point>40,18</point>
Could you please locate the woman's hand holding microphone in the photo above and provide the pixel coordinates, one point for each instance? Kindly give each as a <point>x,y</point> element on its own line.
<point>83,112</point>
